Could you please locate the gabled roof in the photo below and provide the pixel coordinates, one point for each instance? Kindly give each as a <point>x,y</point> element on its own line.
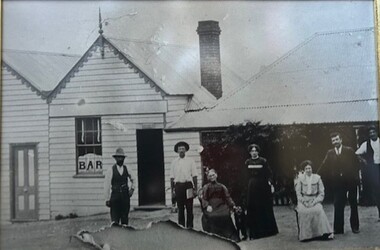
<point>172,68</point>
<point>41,70</point>
<point>175,68</point>
<point>331,77</point>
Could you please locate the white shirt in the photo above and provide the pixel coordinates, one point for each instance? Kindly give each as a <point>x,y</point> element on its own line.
<point>183,169</point>
<point>108,180</point>
<point>376,148</point>
<point>338,151</point>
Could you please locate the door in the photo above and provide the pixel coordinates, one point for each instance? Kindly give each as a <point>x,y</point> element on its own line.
<point>24,182</point>
<point>150,157</point>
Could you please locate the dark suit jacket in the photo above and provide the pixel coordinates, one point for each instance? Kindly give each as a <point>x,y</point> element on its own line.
<point>345,166</point>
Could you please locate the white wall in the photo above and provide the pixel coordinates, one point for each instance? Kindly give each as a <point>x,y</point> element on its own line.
<point>24,120</point>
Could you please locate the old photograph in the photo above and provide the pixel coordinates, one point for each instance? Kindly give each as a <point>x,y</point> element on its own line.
<point>189,124</point>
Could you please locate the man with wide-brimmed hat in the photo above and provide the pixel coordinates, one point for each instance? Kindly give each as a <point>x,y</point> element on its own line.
<point>183,180</point>
<point>117,189</point>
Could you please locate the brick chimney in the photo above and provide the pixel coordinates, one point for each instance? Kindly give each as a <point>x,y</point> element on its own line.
<point>209,49</point>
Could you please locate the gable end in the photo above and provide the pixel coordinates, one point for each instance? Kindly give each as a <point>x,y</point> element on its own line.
<point>28,84</point>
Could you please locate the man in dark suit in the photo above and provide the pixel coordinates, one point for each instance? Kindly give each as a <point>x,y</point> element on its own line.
<point>342,164</point>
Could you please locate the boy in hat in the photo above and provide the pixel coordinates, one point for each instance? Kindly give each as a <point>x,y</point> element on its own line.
<point>116,189</point>
<point>183,179</point>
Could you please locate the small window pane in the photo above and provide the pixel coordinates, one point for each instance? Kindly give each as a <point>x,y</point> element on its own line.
<point>79,125</point>
<point>31,167</point>
<point>81,151</point>
<point>20,167</point>
<point>80,138</point>
<point>89,138</point>
<point>90,150</point>
<point>98,150</point>
<point>89,125</point>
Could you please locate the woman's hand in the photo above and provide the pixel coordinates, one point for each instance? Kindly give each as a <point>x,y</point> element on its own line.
<point>209,209</point>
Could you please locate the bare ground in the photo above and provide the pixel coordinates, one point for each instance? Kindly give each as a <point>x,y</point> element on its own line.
<point>56,234</point>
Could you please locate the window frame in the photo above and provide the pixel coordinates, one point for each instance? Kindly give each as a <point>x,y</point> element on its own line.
<point>77,146</point>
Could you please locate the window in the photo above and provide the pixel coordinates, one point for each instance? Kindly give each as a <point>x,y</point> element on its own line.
<point>89,146</point>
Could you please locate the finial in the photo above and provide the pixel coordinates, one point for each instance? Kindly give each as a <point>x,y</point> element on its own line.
<point>100,23</point>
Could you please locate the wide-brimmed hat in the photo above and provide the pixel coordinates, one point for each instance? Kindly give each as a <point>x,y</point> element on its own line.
<point>119,153</point>
<point>179,144</point>
<point>372,127</point>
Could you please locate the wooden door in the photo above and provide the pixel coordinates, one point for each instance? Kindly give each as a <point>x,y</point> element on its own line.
<point>24,183</point>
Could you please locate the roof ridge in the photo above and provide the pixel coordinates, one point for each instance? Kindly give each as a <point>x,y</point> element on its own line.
<point>152,42</point>
<point>299,104</point>
<point>345,31</point>
<point>39,52</point>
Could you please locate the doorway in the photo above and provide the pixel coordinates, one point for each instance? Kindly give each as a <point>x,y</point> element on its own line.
<point>151,172</point>
<point>24,182</point>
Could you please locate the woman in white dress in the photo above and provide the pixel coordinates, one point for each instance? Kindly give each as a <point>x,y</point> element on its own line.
<point>311,218</point>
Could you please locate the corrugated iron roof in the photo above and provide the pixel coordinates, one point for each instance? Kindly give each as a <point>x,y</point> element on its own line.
<point>41,69</point>
<point>175,68</point>
<point>316,78</point>
<point>351,111</point>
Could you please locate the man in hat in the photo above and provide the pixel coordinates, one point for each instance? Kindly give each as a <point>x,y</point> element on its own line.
<point>116,189</point>
<point>183,179</point>
<point>370,153</point>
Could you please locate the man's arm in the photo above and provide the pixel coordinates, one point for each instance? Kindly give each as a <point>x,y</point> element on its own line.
<point>362,149</point>
<point>172,178</point>
<point>195,181</point>
<point>107,185</point>
<point>360,152</point>
<point>194,174</point>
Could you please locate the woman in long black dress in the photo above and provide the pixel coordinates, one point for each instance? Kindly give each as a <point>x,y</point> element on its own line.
<point>260,216</point>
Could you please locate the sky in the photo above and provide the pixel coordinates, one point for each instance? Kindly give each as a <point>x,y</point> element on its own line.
<point>254,33</point>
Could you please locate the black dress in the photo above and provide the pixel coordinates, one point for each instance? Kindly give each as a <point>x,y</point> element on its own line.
<point>260,216</point>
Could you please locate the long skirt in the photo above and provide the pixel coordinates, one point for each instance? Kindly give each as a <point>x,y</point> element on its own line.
<point>222,226</point>
<point>260,217</point>
<point>312,222</point>
<point>219,222</point>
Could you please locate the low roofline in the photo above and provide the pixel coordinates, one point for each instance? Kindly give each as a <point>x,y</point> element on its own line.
<point>24,80</point>
<point>222,128</point>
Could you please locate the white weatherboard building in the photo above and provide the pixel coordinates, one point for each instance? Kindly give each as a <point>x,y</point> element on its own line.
<point>63,116</point>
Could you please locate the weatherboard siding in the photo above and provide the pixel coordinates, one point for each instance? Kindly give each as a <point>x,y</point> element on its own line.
<point>106,80</point>
<point>84,196</point>
<point>176,107</point>
<point>170,139</point>
<point>24,120</point>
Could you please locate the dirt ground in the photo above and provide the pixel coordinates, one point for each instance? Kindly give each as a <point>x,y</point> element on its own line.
<point>56,234</point>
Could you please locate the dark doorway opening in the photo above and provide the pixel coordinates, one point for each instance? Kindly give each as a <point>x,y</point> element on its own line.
<point>150,157</point>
